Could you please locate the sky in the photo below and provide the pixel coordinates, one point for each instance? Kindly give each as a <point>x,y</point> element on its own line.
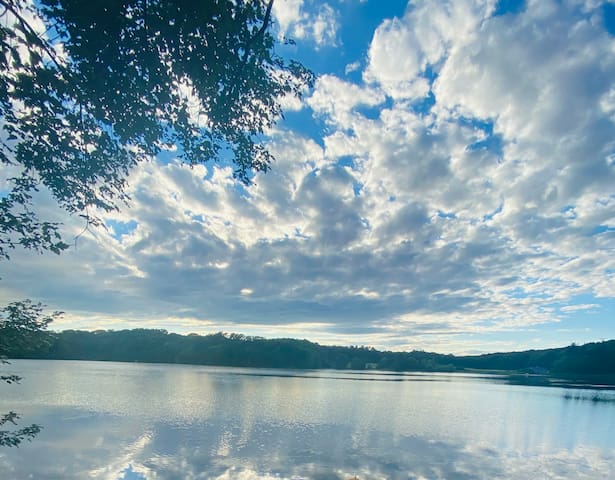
<point>447,185</point>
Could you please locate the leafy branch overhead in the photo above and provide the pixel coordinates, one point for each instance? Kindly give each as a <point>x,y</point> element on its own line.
<point>22,328</point>
<point>109,83</point>
<point>15,437</point>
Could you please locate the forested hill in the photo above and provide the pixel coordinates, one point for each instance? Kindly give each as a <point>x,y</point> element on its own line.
<point>141,345</point>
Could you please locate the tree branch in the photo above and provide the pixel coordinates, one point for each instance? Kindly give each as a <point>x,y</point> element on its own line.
<point>259,34</point>
<point>26,26</point>
<point>261,31</point>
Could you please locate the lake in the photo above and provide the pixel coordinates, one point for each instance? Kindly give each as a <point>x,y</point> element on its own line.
<point>130,421</point>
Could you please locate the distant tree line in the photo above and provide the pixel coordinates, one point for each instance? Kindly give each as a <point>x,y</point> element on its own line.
<point>236,350</point>
<point>596,358</point>
<point>222,349</point>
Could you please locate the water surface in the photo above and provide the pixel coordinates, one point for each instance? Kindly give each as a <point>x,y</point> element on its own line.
<point>122,421</point>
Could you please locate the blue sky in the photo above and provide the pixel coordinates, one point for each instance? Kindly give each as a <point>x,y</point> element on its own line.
<point>448,185</point>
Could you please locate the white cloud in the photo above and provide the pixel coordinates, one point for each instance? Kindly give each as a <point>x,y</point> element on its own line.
<point>352,67</point>
<point>584,306</point>
<point>489,212</point>
<point>394,61</point>
<point>310,20</point>
<point>286,13</point>
<point>402,48</point>
<point>336,99</point>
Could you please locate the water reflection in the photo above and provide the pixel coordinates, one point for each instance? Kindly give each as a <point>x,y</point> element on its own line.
<point>136,422</point>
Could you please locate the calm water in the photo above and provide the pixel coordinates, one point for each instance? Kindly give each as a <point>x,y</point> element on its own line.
<point>136,421</point>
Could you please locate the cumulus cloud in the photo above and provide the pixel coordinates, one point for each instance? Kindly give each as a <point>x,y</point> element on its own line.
<point>407,224</point>
<point>402,48</point>
<point>300,20</point>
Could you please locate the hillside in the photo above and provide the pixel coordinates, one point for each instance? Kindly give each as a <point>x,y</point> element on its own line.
<point>220,349</point>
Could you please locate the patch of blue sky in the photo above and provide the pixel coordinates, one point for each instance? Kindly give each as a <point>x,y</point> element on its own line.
<point>569,211</point>
<point>430,74</point>
<point>346,161</point>
<point>352,43</point>
<point>306,124</point>
<point>166,157</point>
<point>608,14</point>
<point>490,216</point>
<point>356,188</point>
<point>516,292</point>
<point>243,190</point>
<point>583,299</point>
<point>492,144</point>
<point>486,125</point>
<point>352,47</point>
<point>197,217</point>
<point>424,105</point>
<point>130,474</point>
<point>490,141</point>
<point>504,7</point>
<point>587,313</point>
<point>373,112</point>
<point>538,336</point>
<point>447,215</point>
<point>601,229</point>
<point>118,229</point>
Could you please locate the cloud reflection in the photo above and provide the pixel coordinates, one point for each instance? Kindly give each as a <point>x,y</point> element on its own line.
<point>154,422</point>
<point>288,452</point>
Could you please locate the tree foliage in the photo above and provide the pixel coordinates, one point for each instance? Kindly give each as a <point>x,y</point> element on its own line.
<point>237,350</point>
<point>597,358</point>
<point>12,438</point>
<point>227,349</point>
<point>106,84</point>
<point>90,89</point>
<point>22,326</point>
